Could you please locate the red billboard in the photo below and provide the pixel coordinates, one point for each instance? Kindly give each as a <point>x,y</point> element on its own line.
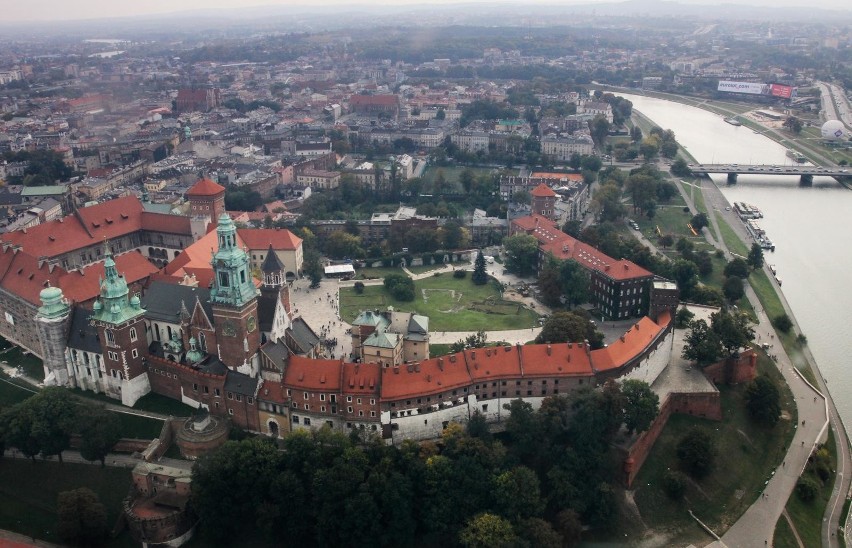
<point>780,90</point>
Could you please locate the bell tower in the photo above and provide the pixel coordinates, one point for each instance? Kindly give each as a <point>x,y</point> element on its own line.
<point>234,300</point>
<point>120,321</point>
<point>52,322</point>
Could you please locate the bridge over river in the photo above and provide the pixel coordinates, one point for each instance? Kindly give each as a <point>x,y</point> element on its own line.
<point>805,173</point>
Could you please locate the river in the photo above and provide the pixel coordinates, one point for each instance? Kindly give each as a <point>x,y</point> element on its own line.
<point>808,225</point>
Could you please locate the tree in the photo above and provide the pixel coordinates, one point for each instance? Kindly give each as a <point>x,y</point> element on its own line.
<point>755,256</point>
<point>649,147</point>
<point>697,453</point>
<point>701,344</point>
<point>783,323</point>
<point>400,286</point>
<point>807,489</point>
<point>599,129</point>
<point>569,525</point>
<point>733,288</point>
<point>737,267</point>
<point>479,276</point>
<point>682,317</point>
<point>539,533</point>
<point>793,124</point>
<point>569,327</point>
<point>734,331</point>
<point>635,134</point>
<point>359,288</point>
<point>312,267</point>
<point>699,221</point>
<point>522,197</point>
<point>642,405</point>
<point>82,518</point>
<point>549,284</point>
<point>517,494</point>
<point>666,240</point>
<point>99,431</point>
<point>476,340</point>
<point>763,400</point>
<point>685,274</point>
<point>487,530</point>
<point>52,413</point>
<point>340,244</point>
<point>674,484</point>
<point>521,254</point>
<point>680,168</point>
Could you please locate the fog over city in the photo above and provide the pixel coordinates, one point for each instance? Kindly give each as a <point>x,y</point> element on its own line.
<point>57,10</point>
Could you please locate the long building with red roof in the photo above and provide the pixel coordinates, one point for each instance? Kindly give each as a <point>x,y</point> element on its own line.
<point>619,288</point>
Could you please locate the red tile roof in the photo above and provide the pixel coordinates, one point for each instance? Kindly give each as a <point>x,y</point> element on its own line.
<point>361,378</point>
<point>429,377</point>
<point>555,176</point>
<point>553,360</point>
<point>309,374</point>
<point>21,275</point>
<point>629,345</point>
<point>280,239</point>
<point>543,191</point>
<point>88,226</point>
<point>493,363</point>
<point>205,187</point>
<point>82,285</point>
<point>552,240</point>
<point>164,222</point>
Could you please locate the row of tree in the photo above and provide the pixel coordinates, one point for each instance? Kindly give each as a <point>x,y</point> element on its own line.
<point>44,424</point>
<point>555,472</point>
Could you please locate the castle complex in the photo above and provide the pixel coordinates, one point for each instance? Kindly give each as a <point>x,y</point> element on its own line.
<point>214,329</point>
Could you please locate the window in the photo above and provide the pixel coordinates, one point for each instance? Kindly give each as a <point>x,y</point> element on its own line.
<point>295,419</point>
<point>239,397</point>
<point>322,408</point>
<point>485,408</point>
<point>134,353</point>
<point>372,401</point>
<point>133,336</point>
<point>249,400</point>
<point>223,279</point>
<point>359,401</point>
<point>372,413</point>
<point>332,398</point>
<point>306,396</point>
<point>230,411</point>
<point>110,336</point>
<point>349,409</point>
<point>288,392</point>
<point>216,392</point>
<point>194,387</point>
<point>322,397</point>
<point>307,407</point>
<point>348,399</point>
<point>230,395</point>
<point>360,413</point>
<point>307,421</point>
<point>112,355</point>
<point>206,390</point>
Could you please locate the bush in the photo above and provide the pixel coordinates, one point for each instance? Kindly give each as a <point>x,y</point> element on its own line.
<point>682,318</point>
<point>401,287</point>
<point>359,287</point>
<point>697,453</point>
<point>460,274</point>
<point>782,323</point>
<point>674,484</point>
<point>807,489</point>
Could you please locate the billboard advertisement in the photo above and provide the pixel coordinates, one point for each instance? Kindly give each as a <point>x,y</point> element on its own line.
<point>751,88</point>
<point>780,90</point>
<point>743,87</point>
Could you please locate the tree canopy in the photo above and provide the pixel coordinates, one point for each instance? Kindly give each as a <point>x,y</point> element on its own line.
<point>569,327</point>
<point>521,254</point>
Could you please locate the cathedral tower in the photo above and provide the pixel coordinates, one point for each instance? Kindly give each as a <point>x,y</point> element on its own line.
<point>52,322</point>
<point>234,300</point>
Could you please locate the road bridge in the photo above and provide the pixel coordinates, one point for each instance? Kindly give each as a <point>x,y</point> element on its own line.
<point>805,173</point>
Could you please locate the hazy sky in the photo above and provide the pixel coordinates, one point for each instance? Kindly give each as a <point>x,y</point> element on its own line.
<point>43,10</point>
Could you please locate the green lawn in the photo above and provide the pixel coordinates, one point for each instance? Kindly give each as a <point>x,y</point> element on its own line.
<point>29,491</point>
<point>807,517</point>
<point>451,304</point>
<point>783,537</point>
<point>11,392</point>
<point>136,427</point>
<point>32,365</point>
<point>452,173</point>
<point>721,498</point>
<point>157,403</point>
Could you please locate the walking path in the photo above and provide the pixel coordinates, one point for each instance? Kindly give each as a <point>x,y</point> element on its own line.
<point>815,412</point>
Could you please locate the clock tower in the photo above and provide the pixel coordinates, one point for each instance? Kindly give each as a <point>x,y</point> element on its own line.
<point>234,300</point>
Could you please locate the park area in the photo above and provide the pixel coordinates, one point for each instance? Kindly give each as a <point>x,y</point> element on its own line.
<point>451,304</point>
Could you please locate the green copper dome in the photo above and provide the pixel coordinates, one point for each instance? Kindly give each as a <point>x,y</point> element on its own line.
<point>114,306</point>
<point>232,284</point>
<point>53,304</point>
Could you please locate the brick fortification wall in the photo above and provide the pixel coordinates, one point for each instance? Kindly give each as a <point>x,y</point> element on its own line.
<point>736,370</point>
<point>740,369</point>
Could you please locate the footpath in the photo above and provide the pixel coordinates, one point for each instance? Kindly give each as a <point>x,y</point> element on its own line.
<point>816,412</point>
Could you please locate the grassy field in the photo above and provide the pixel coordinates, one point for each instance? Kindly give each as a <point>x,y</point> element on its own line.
<point>452,173</point>
<point>30,489</point>
<point>450,303</point>
<point>783,536</point>
<point>807,517</point>
<point>721,498</point>
<point>12,392</point>
<point>32,366</point>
